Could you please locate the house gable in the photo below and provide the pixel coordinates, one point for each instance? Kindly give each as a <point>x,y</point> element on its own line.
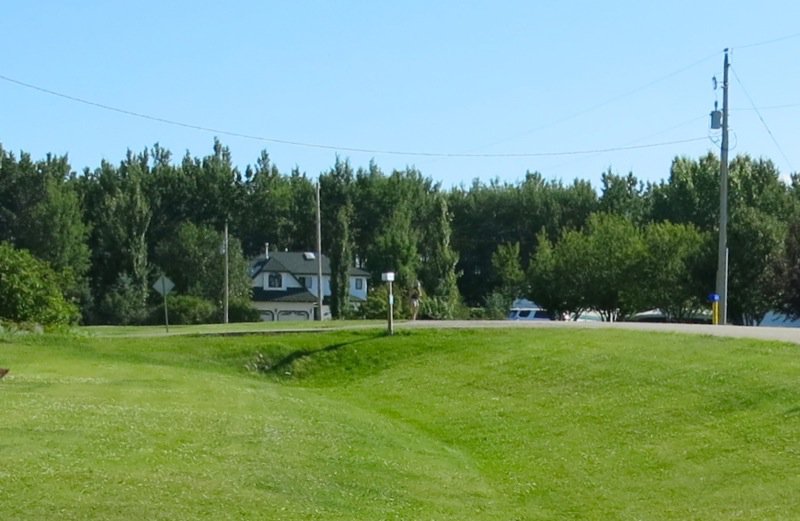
<point>292,277</point>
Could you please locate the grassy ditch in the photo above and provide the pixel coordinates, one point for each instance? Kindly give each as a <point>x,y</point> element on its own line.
<point>492,424</point>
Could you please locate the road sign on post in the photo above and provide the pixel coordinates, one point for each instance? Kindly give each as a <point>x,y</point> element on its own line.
<point>163,286</point>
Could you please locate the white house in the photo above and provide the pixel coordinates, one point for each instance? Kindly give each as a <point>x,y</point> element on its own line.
<point>285,285</point>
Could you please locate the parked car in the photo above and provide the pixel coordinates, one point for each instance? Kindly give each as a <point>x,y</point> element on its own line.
<point>529,314</point>
<point>657,315</point>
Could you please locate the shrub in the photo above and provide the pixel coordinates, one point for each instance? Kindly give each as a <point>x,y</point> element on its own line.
<point>497,305</point>
<point>124,304</point>
<point>437,308</point>
<point>243,311</point>
<point>477,314</point>
<point>29,290</point>
<point>185,310</point>
<point>377,305</point>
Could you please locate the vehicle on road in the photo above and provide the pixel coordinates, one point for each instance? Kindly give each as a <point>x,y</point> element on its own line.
<point>529,313</point>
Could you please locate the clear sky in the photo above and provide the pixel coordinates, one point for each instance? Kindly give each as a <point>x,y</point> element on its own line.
<point>496,78</point>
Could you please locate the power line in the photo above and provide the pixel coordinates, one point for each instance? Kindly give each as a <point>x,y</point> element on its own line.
<point>660,132</point>
<point>769,107</point>
<point>768,42</point>
<point>758,112</point>
<point>608,101</point>
<point>332,147</point>
<point>433,154</point>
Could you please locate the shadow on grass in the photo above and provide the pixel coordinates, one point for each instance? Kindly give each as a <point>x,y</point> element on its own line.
<point>264,365</point>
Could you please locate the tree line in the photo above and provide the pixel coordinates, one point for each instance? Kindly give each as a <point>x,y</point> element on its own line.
<point>107,233</point>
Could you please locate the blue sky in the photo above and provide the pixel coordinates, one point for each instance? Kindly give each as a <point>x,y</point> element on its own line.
<point>497,78</point>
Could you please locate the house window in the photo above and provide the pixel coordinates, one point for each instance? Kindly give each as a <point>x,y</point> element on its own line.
<point>306,282</point>
<point>275,280</point>
<point>359,284</point>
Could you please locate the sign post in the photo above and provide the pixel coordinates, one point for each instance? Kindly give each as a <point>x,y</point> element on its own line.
<point>389,277</point>
<point>163,286</point>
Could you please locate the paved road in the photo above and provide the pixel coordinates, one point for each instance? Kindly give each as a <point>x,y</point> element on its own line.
<point>783,334</point>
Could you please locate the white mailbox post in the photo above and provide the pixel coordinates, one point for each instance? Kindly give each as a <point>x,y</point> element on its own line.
<point>389,277</point>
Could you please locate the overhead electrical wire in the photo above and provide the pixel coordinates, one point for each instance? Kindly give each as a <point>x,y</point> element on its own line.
<point>769,107</point>
<point>649,136</point>
<point>608,101</point>
<point>436,154</point>
<point>768,42</point>
<point>333,147</point>
<point>758,112</point>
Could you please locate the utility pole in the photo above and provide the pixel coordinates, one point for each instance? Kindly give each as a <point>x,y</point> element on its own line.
<point>227,287</point>
<point>722,254</point>
<point>319,256</point>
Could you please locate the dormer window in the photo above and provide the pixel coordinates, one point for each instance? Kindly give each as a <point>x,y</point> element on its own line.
<point>275,280</point>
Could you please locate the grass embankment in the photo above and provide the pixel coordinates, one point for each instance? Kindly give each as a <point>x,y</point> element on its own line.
<point>225,329</point>
<point>516,424</point>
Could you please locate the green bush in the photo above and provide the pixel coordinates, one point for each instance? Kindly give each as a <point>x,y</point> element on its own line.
<point>437,308</point>
<point>497,306</point>
<point>477,314</point>
<point>185,310</point>
<point>124,304</point>
<point>243,311</point>
<point>29,290</point>
<point>377,305</point>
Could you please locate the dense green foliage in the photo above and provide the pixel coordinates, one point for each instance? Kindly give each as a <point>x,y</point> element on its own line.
<point>111,231</point>
<point>29,290</point>
<point>573,265</point>
<point>495,425</point>
<point>194,260</point>
<point>616,268</point>
<point>184,310</point>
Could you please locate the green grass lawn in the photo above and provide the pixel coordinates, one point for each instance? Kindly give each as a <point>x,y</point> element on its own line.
<point>349,425</point>
<point>219,329</point>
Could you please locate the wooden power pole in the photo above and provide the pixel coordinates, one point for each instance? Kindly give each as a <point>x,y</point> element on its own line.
<point>722,253</point>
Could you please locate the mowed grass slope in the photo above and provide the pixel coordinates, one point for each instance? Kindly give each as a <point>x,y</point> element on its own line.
<point>515,424</point>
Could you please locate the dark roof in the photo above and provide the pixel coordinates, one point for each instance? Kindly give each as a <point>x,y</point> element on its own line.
<point>358,272</point>
<point>296,263</point>
<point>287,295</point>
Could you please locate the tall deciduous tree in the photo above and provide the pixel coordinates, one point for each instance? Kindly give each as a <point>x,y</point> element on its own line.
<point>437,272</point>
<point>40,211</point>
<point>755,241</point>
<point>760,207</point>
<point>194,260</point>
<point>613,265</point>
<point>691,194</point>
<point>507,271</point>
<point>557,274</point>
<point>488,215</point>
<point>120,214</point>
<point>395,249</point>
<point>267,217</point>
<point>337,210</point>
<point>597,268</point>
<point>675,274</point>
<point>625,196</point>
<point>788,272</point>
